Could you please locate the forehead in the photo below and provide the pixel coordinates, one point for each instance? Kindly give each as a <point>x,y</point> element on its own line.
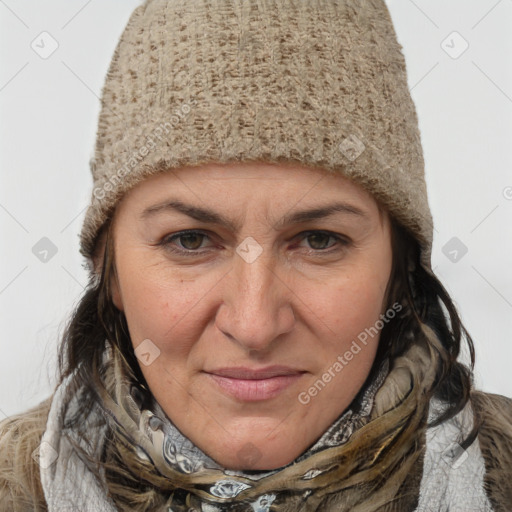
<point>240,183</point>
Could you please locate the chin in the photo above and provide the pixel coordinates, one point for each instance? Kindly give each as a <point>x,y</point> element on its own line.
<point>256,452</point>
<point>251,459</point>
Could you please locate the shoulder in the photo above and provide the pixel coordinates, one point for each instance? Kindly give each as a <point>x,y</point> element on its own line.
<point>20,435</point>
<point>468,457</point>
<point>489,403</point>
<point>493,414</point>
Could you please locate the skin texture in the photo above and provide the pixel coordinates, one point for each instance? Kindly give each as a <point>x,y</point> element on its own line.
<point>300,303</point>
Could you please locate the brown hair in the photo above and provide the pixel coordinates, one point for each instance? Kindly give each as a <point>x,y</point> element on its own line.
<point>425,300</point>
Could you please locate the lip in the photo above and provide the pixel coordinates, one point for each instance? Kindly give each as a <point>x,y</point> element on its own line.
<point>254,384</point>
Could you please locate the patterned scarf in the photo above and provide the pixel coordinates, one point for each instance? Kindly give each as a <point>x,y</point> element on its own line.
<point>363,462</point>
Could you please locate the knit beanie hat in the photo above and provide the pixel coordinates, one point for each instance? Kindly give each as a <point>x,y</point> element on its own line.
<point>320,83</point>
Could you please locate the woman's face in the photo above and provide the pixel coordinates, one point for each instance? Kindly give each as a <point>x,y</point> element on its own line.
<point>252,293</point>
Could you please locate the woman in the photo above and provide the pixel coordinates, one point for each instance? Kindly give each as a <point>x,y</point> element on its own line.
<point>262,329</point>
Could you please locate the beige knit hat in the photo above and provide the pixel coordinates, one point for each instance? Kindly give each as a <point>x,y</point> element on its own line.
<point>316,82</point>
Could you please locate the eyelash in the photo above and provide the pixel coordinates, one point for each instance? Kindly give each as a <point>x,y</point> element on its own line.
<point>166,242</point>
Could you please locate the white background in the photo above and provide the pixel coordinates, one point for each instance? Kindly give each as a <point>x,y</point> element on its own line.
<point>49,109</point>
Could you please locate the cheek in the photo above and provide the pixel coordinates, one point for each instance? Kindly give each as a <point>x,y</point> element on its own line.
<point>352,299</point>
<point>348,311</point>
<point>161,306</point>
<point>349,304</point>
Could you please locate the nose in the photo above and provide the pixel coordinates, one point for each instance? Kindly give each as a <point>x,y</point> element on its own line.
<point>257,306</point>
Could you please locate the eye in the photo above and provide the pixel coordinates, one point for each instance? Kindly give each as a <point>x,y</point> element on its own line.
<point>189,242</point>
<point>318,240</point>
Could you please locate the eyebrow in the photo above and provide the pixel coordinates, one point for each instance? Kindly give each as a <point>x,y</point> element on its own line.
<point>211,217</point>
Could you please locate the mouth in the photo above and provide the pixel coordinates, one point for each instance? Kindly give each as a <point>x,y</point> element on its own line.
<point>251,385</point>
